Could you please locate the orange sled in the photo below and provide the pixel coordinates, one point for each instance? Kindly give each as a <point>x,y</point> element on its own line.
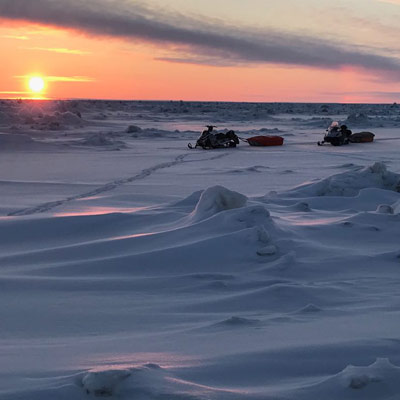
<point>362,137</point>
<point>265,141</point>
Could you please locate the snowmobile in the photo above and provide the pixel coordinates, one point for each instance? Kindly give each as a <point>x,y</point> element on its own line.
<point>215,140</point>
<point>336,135</point>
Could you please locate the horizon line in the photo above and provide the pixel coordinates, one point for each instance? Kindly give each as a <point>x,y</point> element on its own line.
<point>187,101</point>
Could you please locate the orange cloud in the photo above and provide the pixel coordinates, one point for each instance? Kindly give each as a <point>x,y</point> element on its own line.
<point>16,37</point>
<point>59,50</point>
<point>61,78</point>
<point>69,79</point>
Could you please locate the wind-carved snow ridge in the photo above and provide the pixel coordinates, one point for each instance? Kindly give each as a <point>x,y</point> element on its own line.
<point>350,183</point>
<point>220,206</point>
<point>104,383</point>
<point>376,381</point>
<point>149,381</point>
<point>359,377</point>
<point>216,199</point>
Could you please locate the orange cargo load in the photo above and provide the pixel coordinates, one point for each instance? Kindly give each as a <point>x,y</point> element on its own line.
<point>265,141</point>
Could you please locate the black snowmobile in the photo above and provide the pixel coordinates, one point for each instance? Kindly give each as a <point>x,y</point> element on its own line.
<point>336,135</point>
<point>210,139</point>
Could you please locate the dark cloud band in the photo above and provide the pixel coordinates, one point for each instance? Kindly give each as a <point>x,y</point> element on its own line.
<point>219,44</point>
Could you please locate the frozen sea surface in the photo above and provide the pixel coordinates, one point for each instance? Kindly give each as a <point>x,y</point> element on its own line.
<point>134,268</point>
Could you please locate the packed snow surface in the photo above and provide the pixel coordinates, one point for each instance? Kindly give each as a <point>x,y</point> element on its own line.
<point>134,268</point>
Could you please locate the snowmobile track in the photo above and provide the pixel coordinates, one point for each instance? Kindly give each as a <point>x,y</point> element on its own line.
<point>102,189</point>
<point>41,208</point>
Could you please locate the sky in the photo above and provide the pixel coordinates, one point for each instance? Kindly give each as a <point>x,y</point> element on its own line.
<point>205,50</point>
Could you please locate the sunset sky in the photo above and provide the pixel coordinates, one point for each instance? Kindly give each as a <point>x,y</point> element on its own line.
<point>232,50</point>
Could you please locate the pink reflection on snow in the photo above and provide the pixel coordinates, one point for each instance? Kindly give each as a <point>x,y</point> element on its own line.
<point>299,221</point>
<point>97,211</point>
<point>166,361</point>
<point>132,236</point>
<point>197,389</point>
<point>132,360</point>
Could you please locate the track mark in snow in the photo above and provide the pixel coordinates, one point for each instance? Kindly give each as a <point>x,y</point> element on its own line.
<point>110,186</point>
<point>104,188</point>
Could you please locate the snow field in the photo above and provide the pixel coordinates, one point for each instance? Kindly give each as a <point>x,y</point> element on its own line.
<point>134,268</point>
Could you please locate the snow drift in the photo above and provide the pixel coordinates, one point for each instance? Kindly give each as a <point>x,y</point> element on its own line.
<point>350,183</point>
<point>216,199</point>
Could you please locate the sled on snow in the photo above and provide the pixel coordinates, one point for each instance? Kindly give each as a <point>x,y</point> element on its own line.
<point>362,137</point>
<point>210,139</point>
<point>264,141</point>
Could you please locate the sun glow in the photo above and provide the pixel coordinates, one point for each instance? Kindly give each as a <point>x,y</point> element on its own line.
<point>36,84</point>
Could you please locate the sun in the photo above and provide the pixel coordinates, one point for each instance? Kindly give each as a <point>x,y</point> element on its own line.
<point>36,84</point>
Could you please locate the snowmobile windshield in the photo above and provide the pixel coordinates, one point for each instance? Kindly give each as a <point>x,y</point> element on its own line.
<point>334,125</point>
